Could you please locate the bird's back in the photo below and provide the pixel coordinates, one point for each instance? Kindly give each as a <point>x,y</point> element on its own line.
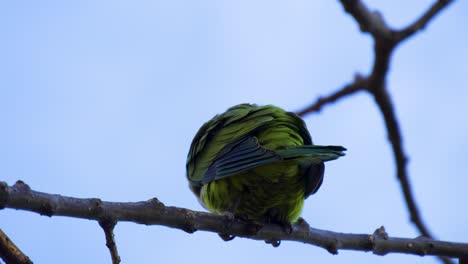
<point>256,161</point>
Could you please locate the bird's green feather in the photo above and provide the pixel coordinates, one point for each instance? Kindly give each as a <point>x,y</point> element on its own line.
<point>256,161</point>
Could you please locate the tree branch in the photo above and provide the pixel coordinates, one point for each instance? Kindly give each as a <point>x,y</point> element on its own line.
<point>422,22</point>
<point>153,212</point>
<point>385,40</point>
<point>358,84</point>
<point>10,253</point>
<point>108,225</point>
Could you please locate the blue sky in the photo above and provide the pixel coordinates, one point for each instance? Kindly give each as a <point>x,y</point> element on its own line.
<point>102,99</point>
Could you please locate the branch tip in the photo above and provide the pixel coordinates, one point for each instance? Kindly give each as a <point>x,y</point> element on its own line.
<point>422,22</point>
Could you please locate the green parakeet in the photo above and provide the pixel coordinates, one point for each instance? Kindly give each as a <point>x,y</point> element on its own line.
<point>256,162</point>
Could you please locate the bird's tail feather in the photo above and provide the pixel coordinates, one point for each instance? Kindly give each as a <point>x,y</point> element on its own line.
<point>324,153</point>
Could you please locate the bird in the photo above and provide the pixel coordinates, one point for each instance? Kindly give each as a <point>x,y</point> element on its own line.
<point>256,163</point>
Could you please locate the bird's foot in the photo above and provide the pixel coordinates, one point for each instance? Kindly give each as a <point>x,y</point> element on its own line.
<point>273,242</point>
<point>285,226</point>
<point>226,237</point>
<point>273,216</point>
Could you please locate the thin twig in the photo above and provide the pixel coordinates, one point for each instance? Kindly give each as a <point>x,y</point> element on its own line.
<point>10,253</point>
<point>422,22</point>
<point>108,225</point>
<point>358,84</point>
<point>153,212</point>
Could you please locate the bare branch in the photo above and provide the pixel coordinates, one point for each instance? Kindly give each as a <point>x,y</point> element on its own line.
<point>422,22</point>
<point>385,40</point>
<point>373,22</point>
<point>108,225</point>
<point>394,135</point>
<point>370,22</point>
<point>358,84</point>
<point>10,253</point>
<point>153,212</point>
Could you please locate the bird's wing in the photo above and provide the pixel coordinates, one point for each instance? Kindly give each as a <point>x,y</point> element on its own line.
<point>246,153</point>
<point>237,157</point>
<point>217,137</point>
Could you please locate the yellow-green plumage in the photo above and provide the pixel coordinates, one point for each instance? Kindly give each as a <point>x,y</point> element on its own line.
<point>257,162</point>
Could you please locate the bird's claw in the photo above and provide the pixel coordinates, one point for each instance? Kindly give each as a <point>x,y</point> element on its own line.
<point>273,242</point>
<point>226,237</point>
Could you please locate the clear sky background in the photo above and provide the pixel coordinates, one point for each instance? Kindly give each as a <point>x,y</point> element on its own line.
<point>102,99</point>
